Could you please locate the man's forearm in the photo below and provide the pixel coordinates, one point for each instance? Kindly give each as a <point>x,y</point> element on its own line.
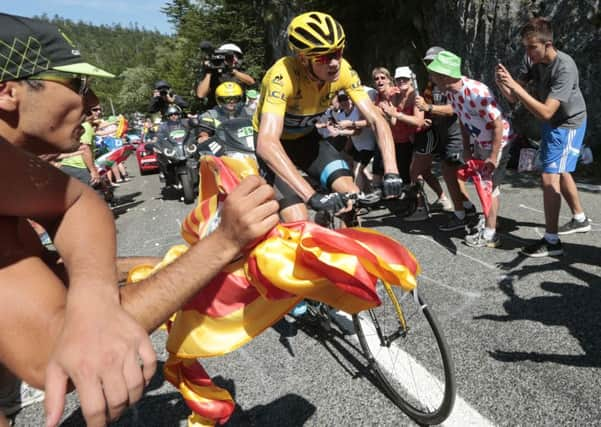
<point>202,90</point>
<point>243,77</point>
<point>385,144</point>
<point>152,301</point>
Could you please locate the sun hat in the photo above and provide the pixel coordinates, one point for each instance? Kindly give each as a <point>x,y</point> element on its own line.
<point>447,64</point>
<point>403,72</point>
<point>29,47</point>
<point>432,52</point>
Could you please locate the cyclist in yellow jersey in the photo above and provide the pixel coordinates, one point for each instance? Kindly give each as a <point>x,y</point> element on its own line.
<point>295,91</point>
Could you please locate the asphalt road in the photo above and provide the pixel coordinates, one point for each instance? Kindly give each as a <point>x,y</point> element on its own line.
<point>525,333</point>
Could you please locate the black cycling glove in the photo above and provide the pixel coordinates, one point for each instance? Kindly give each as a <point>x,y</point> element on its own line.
<point>332,202</point>
<point>392,185</point>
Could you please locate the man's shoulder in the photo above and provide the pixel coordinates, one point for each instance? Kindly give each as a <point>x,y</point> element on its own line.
<point>282,72</point>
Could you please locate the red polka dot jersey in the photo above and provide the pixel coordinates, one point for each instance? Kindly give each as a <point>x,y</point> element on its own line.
<point>477,109</point>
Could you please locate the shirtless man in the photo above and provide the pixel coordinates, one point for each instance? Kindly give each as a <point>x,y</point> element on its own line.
<point>92,332</point>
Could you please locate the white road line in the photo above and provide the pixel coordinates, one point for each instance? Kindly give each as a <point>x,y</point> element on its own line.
<point>463,413</point>
<point>561,216</point>
<point>452,288</point>
<point>489,266</point>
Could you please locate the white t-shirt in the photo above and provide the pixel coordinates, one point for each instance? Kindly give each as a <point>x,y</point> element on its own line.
<point>364,140</point>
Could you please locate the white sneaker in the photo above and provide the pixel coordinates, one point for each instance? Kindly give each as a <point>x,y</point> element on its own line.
<point>420,214</point>
<point>21,396</point>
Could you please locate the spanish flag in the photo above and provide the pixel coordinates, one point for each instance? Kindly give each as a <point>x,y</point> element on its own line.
<point>294,261</point>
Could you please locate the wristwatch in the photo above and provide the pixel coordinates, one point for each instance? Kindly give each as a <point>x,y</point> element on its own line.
<point>430,108</point>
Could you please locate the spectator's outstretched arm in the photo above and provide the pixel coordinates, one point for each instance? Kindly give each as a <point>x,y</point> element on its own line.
<point>514,90</point>
<point>249,212</point>
<point>88,337</point>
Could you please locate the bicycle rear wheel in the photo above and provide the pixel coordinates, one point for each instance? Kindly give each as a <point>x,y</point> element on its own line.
<point>408,354</point>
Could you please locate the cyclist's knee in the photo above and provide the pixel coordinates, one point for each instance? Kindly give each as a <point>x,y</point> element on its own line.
<point>345,184</point>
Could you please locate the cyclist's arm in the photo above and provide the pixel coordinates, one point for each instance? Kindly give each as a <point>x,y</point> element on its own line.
<point>270,149</point>
<point>383,133</point>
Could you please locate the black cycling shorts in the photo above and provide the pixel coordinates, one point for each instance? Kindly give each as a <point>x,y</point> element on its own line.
<point>313,155</point>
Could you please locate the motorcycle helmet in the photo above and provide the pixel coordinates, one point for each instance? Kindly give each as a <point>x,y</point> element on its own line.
<point>315,33</point>
<point>228,92</point>
<point>231,47</point>
<point>173,109</point>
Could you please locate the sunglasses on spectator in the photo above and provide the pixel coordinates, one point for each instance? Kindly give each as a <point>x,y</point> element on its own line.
<point>228,99</point>
<point>96,110</point>
<point>402,79</point>
<point>327,57</point>
<point>76,82</point>
<point>380,78</point>
<point>343,98</point>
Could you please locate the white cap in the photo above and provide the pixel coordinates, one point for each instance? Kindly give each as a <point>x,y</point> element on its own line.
<point>403,72</point>
<point>231,47</point>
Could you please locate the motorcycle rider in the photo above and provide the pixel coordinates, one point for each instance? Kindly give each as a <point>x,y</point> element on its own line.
<point>230,105</point>
<point>174,120</point>
<point>162,97</point>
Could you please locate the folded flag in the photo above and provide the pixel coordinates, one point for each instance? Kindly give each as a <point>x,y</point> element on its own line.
<point>292,262</point>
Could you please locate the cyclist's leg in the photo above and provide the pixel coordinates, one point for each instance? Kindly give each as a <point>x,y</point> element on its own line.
<point>332,171</point>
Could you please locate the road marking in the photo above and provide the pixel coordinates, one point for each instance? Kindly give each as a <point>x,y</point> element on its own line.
<point>458,252</point>
<point>463,413</point>
<point>452,288</point>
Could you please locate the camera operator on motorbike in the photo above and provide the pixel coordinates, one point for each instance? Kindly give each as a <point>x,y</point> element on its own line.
<point>162,97</point>
<point>295,92</point>
<point>222,65</point>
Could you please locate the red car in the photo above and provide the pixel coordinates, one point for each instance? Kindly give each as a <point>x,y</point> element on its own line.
<point>147,160</point>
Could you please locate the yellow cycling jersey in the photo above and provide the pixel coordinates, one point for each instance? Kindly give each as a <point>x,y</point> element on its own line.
<point>288,91</point>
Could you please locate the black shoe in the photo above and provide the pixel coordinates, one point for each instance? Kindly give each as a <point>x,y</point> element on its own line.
<point>575,227</point>
<point>471,212</point>
<point>453,223</point>
<point>542,248</point>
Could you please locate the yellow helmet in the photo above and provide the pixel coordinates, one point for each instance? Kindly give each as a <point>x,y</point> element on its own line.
<point>315,33</point>
<point>227,89</point>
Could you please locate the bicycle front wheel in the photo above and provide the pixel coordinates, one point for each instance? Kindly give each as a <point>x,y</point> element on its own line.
<point>404,345</point>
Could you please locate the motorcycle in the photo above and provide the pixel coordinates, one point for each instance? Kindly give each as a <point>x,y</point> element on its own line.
<point>177,153</point>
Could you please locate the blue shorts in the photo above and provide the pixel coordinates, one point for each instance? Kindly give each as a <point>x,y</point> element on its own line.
<point>560,148</point>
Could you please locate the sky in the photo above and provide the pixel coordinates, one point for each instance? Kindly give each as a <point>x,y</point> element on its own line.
<point>147,13</point>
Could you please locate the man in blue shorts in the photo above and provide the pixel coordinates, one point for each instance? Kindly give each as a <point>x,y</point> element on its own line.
<point>558,103</point>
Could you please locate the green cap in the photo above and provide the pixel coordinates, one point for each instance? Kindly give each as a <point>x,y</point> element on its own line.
<point>252,93</point>
<point>447,64</point>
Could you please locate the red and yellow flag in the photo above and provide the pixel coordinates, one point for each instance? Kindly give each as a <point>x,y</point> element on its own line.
<point>294,261</point>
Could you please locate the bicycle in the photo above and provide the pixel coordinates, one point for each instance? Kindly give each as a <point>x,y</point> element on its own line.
<point>401,340</point>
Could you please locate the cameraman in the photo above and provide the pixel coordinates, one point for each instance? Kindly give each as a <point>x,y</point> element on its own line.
<point>163,97</point>
<point>222,65</point>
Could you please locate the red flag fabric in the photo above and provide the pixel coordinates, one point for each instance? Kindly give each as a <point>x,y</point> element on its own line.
<point>474,169</point>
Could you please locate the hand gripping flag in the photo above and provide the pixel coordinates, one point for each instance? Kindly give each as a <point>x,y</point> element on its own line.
<point>294,261</point>
<point>474,169</point>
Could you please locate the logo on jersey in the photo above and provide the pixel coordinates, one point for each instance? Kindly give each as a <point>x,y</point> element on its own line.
<point>276,96</point>
<point>292,122</point>
<point>278,80</point>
